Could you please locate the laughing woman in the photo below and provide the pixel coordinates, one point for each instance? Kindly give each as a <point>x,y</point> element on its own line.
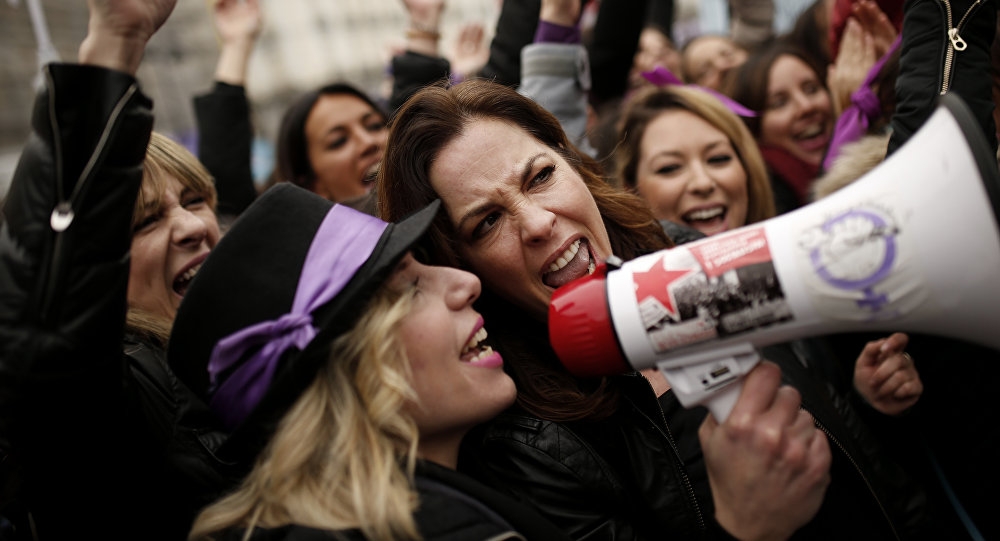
<point>795,117</point>
<point>349,373</point>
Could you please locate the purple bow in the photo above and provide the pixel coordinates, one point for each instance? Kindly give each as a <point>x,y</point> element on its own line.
<point>661,76</point>
<point>865,106</point>
<point>343,243</point>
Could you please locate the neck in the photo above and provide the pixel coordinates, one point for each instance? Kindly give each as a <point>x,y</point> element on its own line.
<point>441,449</point>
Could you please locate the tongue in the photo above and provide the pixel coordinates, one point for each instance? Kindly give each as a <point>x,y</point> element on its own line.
<point>579,266</point>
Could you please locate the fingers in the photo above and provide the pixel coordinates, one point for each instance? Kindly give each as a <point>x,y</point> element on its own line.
<point>759,391</point>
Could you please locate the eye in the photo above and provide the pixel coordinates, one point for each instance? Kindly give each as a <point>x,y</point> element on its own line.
<point>334,144</point>
<point>376,125</point>
<point>811,87</point>
<point>145,223</point>
<point>669,169</point>
<point>720,159</point>
<point>195,201</point>
<point>777,102</point>
<point>542,176</point>
<point>486,225</point>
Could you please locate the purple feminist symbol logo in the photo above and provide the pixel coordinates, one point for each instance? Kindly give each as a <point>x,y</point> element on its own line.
<point>857,251</point>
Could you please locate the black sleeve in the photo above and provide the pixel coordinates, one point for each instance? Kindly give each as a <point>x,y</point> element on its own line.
<point>225,136</point>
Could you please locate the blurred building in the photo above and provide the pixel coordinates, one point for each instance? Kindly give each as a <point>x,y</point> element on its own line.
<point>305,43</point>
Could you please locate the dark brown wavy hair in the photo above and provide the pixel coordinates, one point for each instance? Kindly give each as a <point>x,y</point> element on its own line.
<point>423,126</point>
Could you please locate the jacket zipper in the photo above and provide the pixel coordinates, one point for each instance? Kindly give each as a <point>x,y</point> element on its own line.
<point>63,214</point>
<point>955,42</point>
<point>830,437</point>
<point>685,479</point>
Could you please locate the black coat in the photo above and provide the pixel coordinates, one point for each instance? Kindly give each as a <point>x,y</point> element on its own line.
<point>101,441</point>
<point>452,507</point>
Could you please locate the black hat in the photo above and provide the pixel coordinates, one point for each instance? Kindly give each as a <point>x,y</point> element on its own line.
<point>293,272</point>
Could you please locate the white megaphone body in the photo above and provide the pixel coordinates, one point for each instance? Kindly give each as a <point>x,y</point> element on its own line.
<point>911,246</point>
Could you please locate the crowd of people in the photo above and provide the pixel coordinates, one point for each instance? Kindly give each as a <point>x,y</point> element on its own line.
<point>183,356</point>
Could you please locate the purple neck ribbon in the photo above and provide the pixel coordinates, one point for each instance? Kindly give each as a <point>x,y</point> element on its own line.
<point>865,106</point>
<point>343,242</point>
<point>661,76</point>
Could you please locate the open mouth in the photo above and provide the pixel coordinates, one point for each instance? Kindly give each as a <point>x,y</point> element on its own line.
<point>477,353</point>
<point>706,218</point>
<point>182,282</point>
<point>371,174</point>
<point>813,136</point>
<point>573,263</point>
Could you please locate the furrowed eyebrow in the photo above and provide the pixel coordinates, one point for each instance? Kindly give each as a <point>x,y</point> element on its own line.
<point>482,208</point>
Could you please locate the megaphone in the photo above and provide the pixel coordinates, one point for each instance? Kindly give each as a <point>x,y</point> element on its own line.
<point>911,246</point>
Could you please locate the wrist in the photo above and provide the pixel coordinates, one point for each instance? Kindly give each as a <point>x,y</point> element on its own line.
<point>122,53</point>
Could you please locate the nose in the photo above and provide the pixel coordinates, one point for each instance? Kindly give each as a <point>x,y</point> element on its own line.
<point>537,223</point>
<point>371,141</point>
<point>805,103</point>
<point>186,228</point>
<point>462,287</point>
<point>700,181</point>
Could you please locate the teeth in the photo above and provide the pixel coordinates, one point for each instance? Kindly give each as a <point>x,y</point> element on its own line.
<point>592,267</point>
<point>705,214</point>
<point>189,274</point>
<point>486,352</point>
<point>566,257</point>
<point>475,340</point>
<point>811,131</point>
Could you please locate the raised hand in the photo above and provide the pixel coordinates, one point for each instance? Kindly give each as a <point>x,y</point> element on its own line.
<point>562,12</point>
<point>118,30</point>
<point>424,19</point>
<point>876,23</point>
<point>768,464</point>
<point>886,377</point>
<point>237,21</point>
<point>470,52</point>
<point>854,60</point>
<point>238,24</point>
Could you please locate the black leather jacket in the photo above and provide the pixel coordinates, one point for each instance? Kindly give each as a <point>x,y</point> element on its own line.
<point>102,440</point>
<point>619,478</point>
<point>640,473</point>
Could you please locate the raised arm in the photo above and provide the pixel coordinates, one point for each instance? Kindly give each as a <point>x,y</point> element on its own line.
<point>225,132</point>
<point>64,239</point>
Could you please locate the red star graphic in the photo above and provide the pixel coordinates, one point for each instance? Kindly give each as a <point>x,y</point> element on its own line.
<point>656,283</point>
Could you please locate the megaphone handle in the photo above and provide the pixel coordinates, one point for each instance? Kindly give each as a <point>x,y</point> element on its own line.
<point>721,404</point>
<point>712,378</point>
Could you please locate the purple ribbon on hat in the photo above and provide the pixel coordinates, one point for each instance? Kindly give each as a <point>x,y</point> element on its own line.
<point>661,76</point>
<point>865,106</point>
<point>344,241</point>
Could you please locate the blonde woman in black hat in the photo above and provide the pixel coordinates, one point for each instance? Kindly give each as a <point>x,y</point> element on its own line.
<point>349,372</point>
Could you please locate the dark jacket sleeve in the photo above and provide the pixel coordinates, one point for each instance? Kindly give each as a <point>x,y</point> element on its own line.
<point>515,29</point>
<point>925,51</point>
<point>412,71</point>
<point>225,138</point>
<point>616,37</point>
<point>64,243</point>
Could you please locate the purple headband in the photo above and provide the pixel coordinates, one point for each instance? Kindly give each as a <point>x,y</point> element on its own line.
<point>661,76</point>
<point>343,242</point>
<point>865,106</point>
